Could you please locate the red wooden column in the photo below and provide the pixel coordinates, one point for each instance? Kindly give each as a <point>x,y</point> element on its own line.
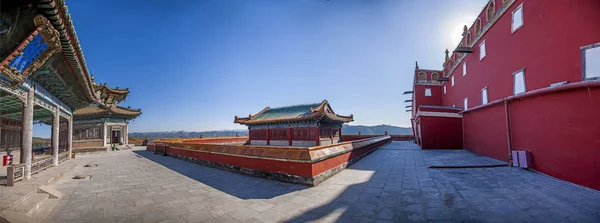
<point>331,135</point>
<point>268,137</point>
<point>317,136</point>
<point>290,135</point>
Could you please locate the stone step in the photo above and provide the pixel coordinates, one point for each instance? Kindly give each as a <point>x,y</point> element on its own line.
<point>25,192</point>
<point>32,204</point>
<point>50,191</point>
<point>46,209</point>
<point>10,216</point>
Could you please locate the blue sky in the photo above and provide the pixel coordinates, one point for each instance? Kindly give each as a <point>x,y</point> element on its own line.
<point>194,65</point>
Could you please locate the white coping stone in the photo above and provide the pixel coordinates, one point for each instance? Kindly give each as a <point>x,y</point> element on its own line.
<point>50,191</point>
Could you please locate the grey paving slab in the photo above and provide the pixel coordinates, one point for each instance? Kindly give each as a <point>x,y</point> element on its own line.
<point>393,184</point>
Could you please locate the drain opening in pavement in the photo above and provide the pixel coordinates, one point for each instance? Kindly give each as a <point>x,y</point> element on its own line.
<point>82,177</point>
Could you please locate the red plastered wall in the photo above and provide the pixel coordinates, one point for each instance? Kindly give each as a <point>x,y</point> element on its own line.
<point>562,131</point>
<point>485,132</point>
<point>441,132</point>
<point>547,46</point>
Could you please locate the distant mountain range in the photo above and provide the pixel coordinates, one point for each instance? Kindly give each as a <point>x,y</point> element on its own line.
<point>346,130</point>
<point>185,134</point>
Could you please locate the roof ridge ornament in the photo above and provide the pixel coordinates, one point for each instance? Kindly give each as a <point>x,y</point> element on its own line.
<point>447,57</point>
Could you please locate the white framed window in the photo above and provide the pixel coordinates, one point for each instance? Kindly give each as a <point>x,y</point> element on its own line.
<point>591,61</point>
<point>482,50</point>
<point>465,103</point>
<point>517,18</point>
<point>452,80</point>
<point>464,68</point>
<point>519,82</point>
<point>444,89</point>
<point>428,92</point>
<point>484,96</point>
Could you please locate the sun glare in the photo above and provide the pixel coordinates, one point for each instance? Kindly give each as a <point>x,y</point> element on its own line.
<point>456,34</point>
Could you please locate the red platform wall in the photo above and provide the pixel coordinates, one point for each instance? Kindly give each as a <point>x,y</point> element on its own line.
<point>295,168</point>
<point>305,169</point>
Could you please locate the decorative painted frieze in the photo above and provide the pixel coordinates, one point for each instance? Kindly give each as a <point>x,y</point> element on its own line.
<point>32,53</point>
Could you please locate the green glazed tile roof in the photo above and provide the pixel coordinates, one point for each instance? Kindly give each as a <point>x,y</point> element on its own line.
<point>287,111</point>
<point>294,113</point>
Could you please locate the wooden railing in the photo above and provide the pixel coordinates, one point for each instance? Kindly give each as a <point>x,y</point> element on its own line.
<point>15,173</point>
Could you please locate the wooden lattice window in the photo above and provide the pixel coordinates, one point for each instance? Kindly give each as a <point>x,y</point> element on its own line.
<point>259,134</point>
<point>278,134</point>
<point>304,134</point>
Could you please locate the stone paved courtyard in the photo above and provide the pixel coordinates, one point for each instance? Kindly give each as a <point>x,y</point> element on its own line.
<point>393,184</point>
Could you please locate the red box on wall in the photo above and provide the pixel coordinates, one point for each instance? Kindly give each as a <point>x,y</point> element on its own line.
<point>7,160</point>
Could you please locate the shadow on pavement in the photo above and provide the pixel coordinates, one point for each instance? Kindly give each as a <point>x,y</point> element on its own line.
<point>234,184</point>
<point>402,189</point>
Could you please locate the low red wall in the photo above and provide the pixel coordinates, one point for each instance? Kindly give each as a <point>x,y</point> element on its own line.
<point>304,169</point>
<point>441,132</point>
<point>347,138</point>
<point>560,129</point>
<point>325,165</point>
<point>211,141</point>
<point>562,132</point>
<point>485,132</point>
<point>295,168</point>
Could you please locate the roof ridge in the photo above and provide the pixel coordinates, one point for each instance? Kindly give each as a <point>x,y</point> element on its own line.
<point>297,105</point>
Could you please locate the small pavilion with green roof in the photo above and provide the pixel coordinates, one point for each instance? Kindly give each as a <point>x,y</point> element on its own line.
<point>304,125</point>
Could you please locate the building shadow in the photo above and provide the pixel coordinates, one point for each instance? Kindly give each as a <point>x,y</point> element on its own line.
<point>394,184</point>
<point>402,188</point>
<point>235,184</point>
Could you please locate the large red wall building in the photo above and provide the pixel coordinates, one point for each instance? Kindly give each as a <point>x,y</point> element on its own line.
<point>526,78</point>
